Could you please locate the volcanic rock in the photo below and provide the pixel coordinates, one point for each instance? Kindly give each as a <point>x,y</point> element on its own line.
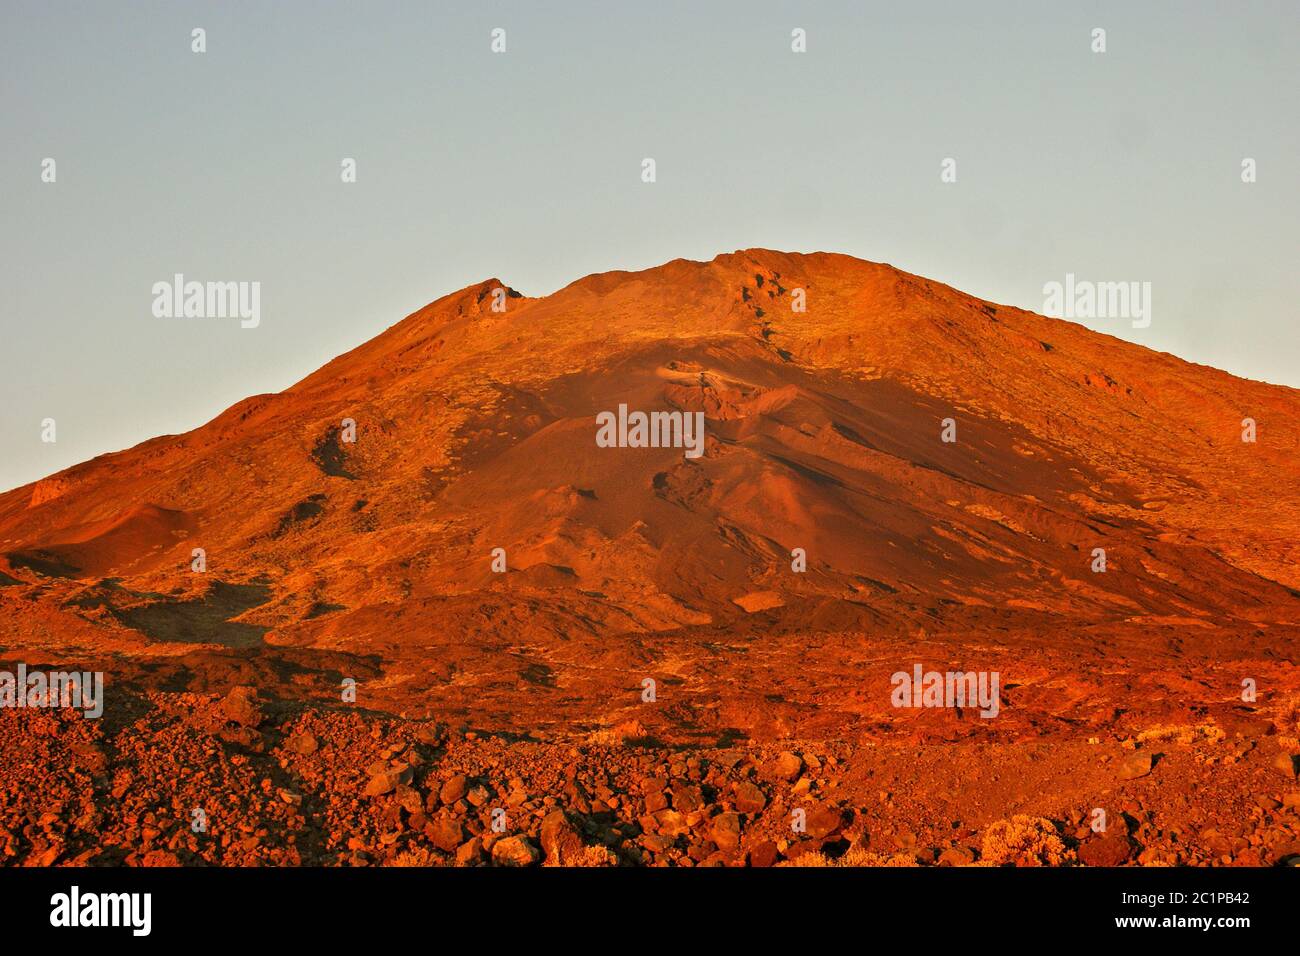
<point>1136,765</point>
<point>454,789</point>
<point>515,851</point>
<point>725,830</point>
<point>1111,848</point>
<point>445,832</point>
<point>785,768</point>
<point>561,842</point>
<point>302,744</point>
<point>241,707</point>
<point>748,798</point>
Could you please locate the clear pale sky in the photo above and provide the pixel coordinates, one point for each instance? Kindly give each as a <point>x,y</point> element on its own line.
<point>526,165</point>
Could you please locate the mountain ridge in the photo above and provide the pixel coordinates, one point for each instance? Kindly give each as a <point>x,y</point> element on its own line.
<point>864,320</point>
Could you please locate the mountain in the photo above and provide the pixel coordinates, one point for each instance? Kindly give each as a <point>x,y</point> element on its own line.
<point>826,537</point>
<point>475,430</point>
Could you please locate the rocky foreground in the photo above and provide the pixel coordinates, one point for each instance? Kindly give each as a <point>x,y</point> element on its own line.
<point>188,779</point>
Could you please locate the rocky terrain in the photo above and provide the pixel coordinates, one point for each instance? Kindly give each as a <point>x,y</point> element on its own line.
<point>287,785</point>
<point>409,612</point>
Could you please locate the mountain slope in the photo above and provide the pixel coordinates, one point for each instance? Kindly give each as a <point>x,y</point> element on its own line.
<point>475,430</point>
<point>329,565</point>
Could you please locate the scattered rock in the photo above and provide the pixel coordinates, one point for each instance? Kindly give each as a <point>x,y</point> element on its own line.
<point>245,737</point>
<point>302,744</point>
<point>561,841</point>
<point>91,757</point>
<point>454,789</point>
<point>381,783</point>
<point>1112,848</point>
<point>432,734</point>
<point>445,832</point>
<point>1286,762</point>
<point>670,823</point>
<point>785,768</point>
<point>957,856</point>
<point>824,821</point>
<point>1135,765</point>
<point>515,851</point>
<point>408,798</point>
<point>725,830</point>
<point>764,854</point>
<point>687,799</point>
<point>470,852</point>
<point>241,707</point>
<point>749,798</point>
<point>160,858</point>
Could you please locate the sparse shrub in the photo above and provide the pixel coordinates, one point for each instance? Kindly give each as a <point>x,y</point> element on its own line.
<point>595,856</point>
<point>418,857</point>
<point>856,856</point>
<point>626,733</point>
<point>1025,841</point>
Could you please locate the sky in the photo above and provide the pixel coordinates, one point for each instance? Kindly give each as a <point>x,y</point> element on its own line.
<point>225,165</point>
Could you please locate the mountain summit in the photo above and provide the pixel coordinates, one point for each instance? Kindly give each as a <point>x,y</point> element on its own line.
<point>882,454</point>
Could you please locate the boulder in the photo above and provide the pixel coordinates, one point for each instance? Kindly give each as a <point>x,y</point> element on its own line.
<point>515,851</point>
<point>241,707</point>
